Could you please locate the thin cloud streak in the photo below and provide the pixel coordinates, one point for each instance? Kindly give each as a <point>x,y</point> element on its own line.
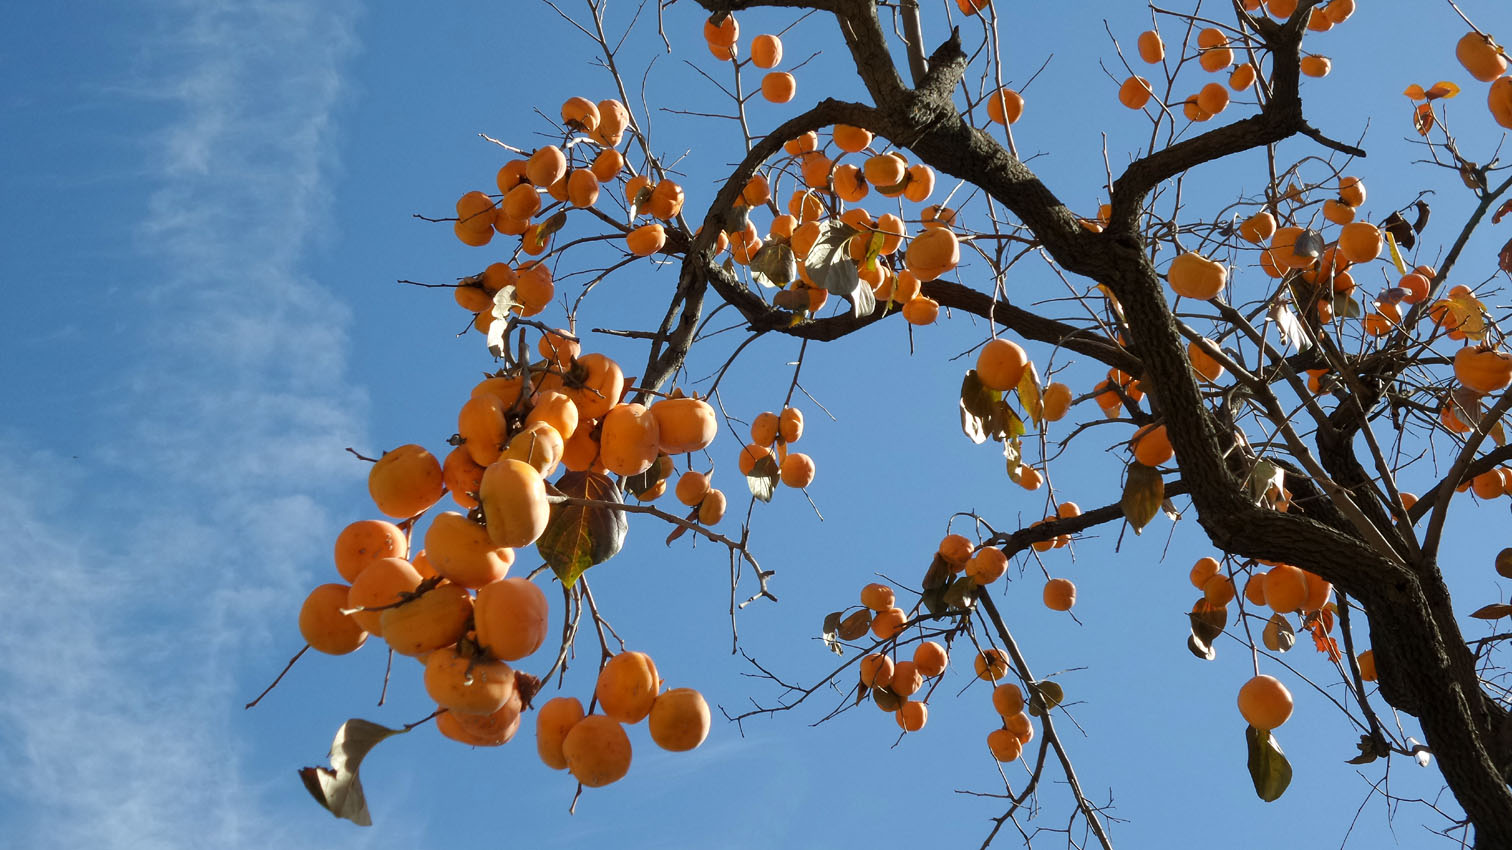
<point>138,575</point>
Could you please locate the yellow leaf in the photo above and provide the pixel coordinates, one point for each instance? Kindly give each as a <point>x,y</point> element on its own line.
<point>1029,394</point>
<point>1471,314</point>
<point>1396,255</point>
<point>1442,88</point>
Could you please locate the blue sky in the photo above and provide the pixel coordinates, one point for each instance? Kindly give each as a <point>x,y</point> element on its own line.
<point>207,204</point>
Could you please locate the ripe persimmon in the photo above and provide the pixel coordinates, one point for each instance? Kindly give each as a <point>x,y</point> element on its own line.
<point>628,443</point>
<point>1484,370</point>
<point>384,582</point>
<point>1151,445</point>
<point>467,684</point>
<point>1135,92</point>
<point>511,616</point>
<point>889,623</point>
<point>712,509</point>
<point>912,716</point>
<point>646,240</point>
<point>684,424</point>
<point>627,685</point>
<point>797,470</point>
<point>1001,363</point>
<point>554,720</point>
<point>1194,276</point>
<point>876,670</point>
<point>1265,702</point>
<point>986,565</point>
<point>366,541</point>
<point>324,627</point>
<point>515,509</point>
<point>1004,745</point>
<point>990,664</point>
<point>405,481</point>
<point>930,659</point>
<point>778,86</point>
<point>1481,56</point>
<point>1060,594</point>
<point>679,720</point>
<point>1151,48</point>
<point>1008,699</point>
<point>766,51</point>
<point>597,751</point>
<point>1005,106</point>
<point>435,619</point>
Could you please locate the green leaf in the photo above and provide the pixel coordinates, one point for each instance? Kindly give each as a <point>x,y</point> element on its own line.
<point>831,632</point>
<point>1143,493</point>
<point>977,401</point>
<point>1278,634</point>
<point>1044,696</point>
<point>1013,451</point>
<point>1263,476</point>
<point>774,265</point>
<point>579,536</point>
<point>1029,395</point>
<point>830,267</point>
<point>1268,766</point>
<point>646,481</point>
<point>1207,622</point>
<point>961,593</point>
<point>337,787</point>
<point>763,478</point>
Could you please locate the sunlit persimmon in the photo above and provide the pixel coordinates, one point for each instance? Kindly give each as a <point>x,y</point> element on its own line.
<point>778,86</point>
<point>365,542</point>
<point>597,751</point>
<point>991,664</point>
<point>1055,401</point>
<point>1264,702</point>
<point>1005,106</point>
<point>554,720</point>
<point>930,659</point>
<point>323,625</point>
<point>467,684</point>
<point>1135,92</point>
<point>383,583</point>
<point>405,481</point>
<point>1194,276</point>
<point>797,470</point>
<point>679,720</point>
<point>912,716</point>
<point>1485,370</point>
<point>1151,445</point>
<point>1060,594</point>
<point>766,51</point>
<point>888,623</point>
<point>1481,56</point>
<point>513,496</point>
<point>1151,47</point>
<point>921,310</point>
<point>986,565</point>
<point>435,619</point>
<point>627,685</point>
<point>1001,363</point>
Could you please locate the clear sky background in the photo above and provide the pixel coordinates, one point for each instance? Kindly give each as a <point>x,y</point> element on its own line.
<point>206,205</point>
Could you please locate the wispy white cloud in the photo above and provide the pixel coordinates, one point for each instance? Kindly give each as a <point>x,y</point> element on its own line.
<point>136,574</point>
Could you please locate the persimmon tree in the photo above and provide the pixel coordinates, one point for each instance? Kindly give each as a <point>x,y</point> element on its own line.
<point>1284,363</point>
